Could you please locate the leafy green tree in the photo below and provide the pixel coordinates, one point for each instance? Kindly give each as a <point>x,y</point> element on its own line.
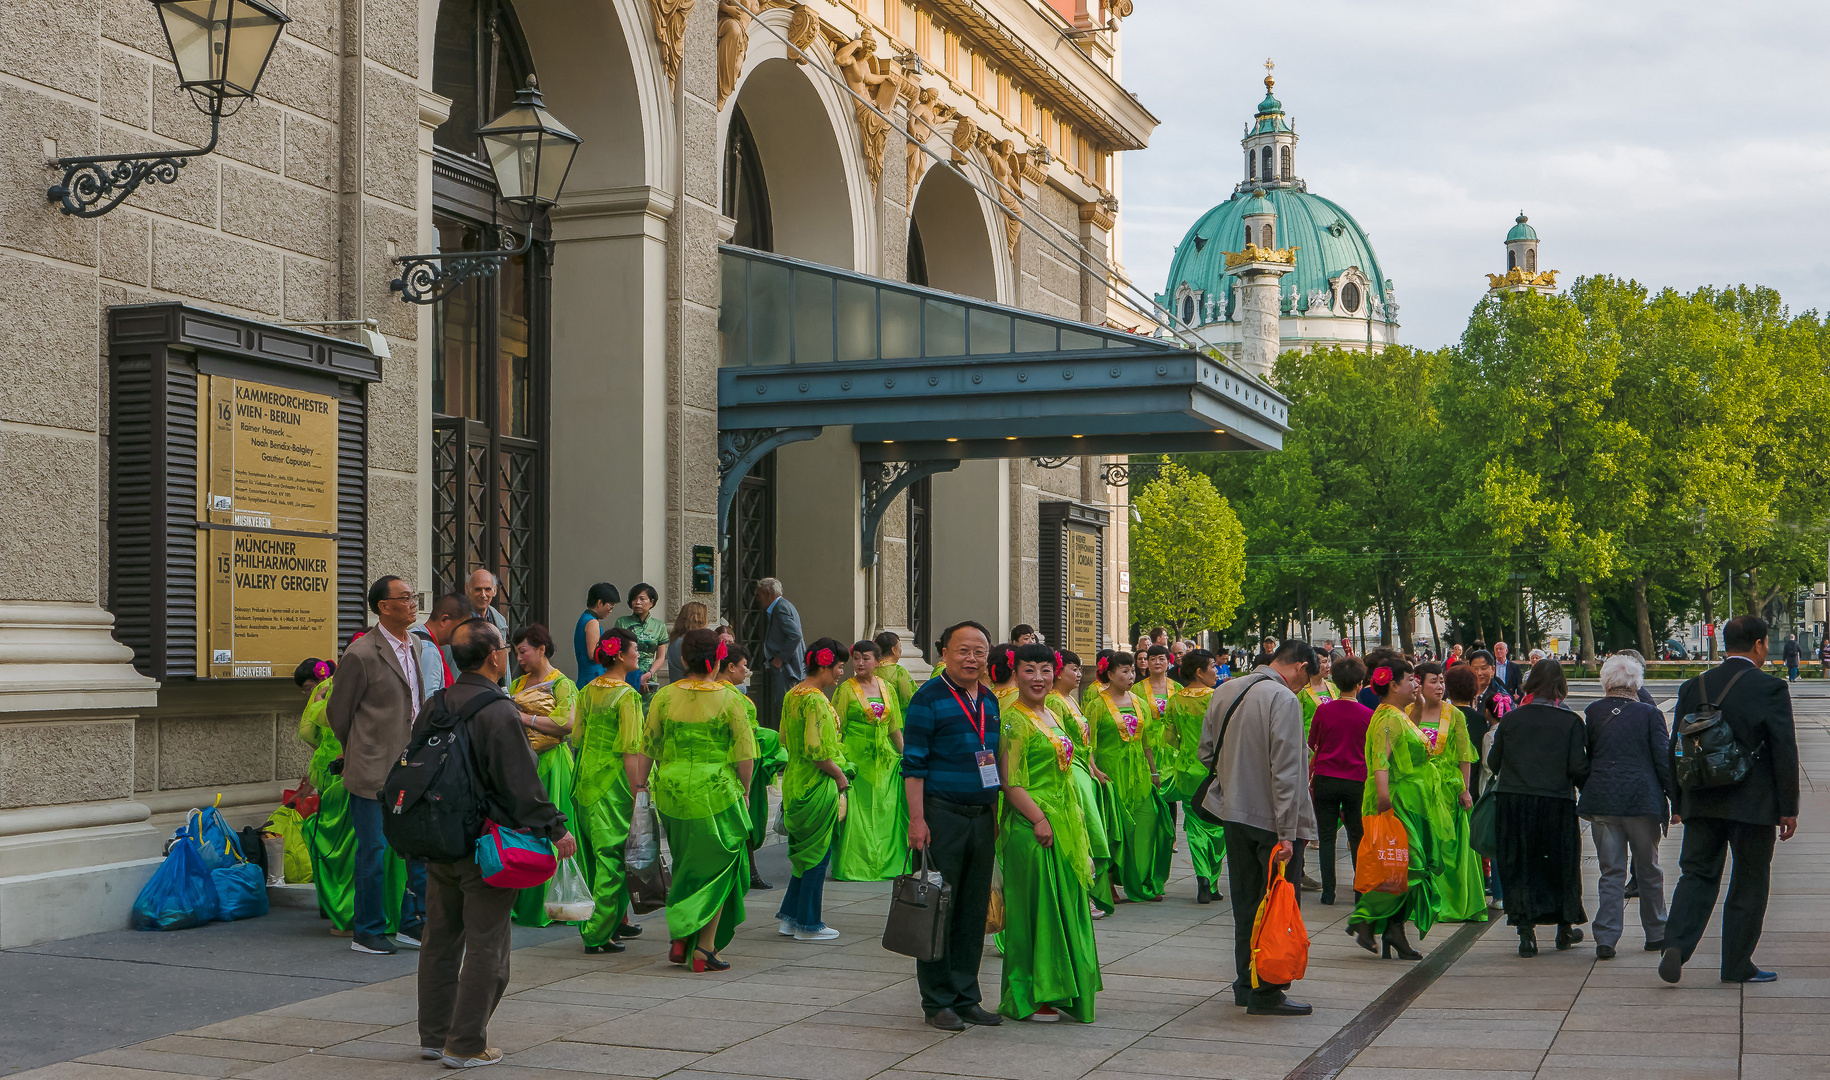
<point>1187,553</point>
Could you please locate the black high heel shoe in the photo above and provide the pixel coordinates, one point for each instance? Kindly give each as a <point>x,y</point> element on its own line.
<point>704,960</point>
<point>1528,941</point>
<point>1567,935</point>
<point>1395,941</point>
<point>1362,933</point>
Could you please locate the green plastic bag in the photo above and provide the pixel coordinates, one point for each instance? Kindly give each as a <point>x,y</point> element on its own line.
<point>286,822</point>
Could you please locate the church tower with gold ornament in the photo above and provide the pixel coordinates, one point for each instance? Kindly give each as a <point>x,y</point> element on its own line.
<point>1522,273</point>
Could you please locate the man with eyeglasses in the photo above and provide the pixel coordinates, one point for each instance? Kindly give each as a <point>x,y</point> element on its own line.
<point>378,691</point>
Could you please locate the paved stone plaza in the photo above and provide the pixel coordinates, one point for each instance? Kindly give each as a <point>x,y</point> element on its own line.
<point>849,1010</point>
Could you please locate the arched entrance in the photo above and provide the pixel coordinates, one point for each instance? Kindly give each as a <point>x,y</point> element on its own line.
<point>774,133</point>
<point>950,231</point>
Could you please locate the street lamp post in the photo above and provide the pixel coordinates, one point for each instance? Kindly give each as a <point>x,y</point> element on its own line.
<point>221,49</point>
<point>530,152</point>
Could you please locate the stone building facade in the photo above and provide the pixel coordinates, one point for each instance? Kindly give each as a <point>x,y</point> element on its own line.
<point>558,422</point>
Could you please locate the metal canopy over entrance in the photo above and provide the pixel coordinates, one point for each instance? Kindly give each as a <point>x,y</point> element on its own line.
<point>927,378</point>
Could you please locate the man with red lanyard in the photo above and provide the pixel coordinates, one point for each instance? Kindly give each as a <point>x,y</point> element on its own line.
<point>950,773</point>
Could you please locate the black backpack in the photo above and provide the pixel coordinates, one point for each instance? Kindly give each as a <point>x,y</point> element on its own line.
<point>1708,754</point>
<point>432,810</point>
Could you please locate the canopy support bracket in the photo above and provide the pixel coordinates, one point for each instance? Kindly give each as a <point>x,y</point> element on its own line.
<point>882,482</point>
<point>739,449</point>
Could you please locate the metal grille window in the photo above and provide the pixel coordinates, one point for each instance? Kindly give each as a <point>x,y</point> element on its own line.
<point>749,552</point>
<point>490,339</point>
<point>921,566</point>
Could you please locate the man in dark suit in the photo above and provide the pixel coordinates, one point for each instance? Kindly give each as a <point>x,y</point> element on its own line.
<point>1509,676</point>
<point>782,647</point>
<point>1740,817</point>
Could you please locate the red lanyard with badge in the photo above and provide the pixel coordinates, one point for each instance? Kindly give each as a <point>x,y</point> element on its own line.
<point>987,760</point>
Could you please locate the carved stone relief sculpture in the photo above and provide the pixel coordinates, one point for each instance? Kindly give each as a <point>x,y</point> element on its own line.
<point>733,42</point>
<point>922,122</point>
<point>965,137</point>
<point>803,28</point>
<point>877,81</point>
<point>1007,170</point>
<point>670,32</point>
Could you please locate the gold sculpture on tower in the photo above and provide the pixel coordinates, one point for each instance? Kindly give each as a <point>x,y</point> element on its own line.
<point>1255,254</point>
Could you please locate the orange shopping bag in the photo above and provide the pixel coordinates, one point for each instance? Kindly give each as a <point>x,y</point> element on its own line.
<point>1384,860</point>
<point>1280,942</point>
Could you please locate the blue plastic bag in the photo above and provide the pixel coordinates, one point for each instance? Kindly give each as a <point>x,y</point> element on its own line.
<point>181,893</point>
<point>216,842</point>
<point>241,891</point>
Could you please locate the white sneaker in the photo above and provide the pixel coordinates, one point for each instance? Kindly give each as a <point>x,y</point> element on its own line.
<point>1098,914</point>
<point>784,929</point>
<point>490,1056</point>
<point>824,933</point>
<point>430,1053</point>
<point>401,937</point>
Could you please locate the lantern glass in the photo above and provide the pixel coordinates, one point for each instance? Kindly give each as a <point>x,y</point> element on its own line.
<point>221,46</point>
<point>529,150</point>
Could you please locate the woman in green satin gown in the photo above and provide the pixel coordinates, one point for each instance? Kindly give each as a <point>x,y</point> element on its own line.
<point>534,656</point>
<point>607,728</point>
<point>734,671</point>
<point>1093,786</point>
<point>813,790</point>
<point>699,737</point>
<point>890,669</point>
<point>1051,963</point>
<point>329,834</point>
<point>873,842</point>
<point>649,631</point>
<point>1127,734</point>
<point>1183,773</point>
<point>1401,779</point>
<point>1460,882</point>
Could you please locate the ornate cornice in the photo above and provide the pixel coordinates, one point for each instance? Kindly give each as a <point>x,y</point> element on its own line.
<point>1255,254</point>
<point>1515,277</point>
<point>1032,66</point>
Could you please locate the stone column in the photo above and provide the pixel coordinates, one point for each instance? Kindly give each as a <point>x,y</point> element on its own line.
<point>1259,315</point>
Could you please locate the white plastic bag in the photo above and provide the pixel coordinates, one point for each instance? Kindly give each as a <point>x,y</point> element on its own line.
<point>640,851</point>
<point>568,895</point>
<point>275,846</point>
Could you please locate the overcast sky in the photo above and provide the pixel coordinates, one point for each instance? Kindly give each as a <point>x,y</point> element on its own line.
<point>1681,143</point>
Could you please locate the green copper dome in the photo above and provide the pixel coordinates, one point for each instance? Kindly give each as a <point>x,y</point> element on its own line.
<point>1521,231</point>
<point>1327,238</point>
<point>1258,204</point>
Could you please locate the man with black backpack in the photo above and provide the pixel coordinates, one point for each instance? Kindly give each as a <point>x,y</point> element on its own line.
<point>463,964</point>
<point>1732,721</point>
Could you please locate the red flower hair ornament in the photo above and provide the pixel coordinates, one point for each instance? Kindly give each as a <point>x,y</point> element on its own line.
<point>320,670</point>
<point>1057,659</point>
<point>1382,676</point>
<point>717,659</point>
<point>824,658</point>
<point>1104,663</point>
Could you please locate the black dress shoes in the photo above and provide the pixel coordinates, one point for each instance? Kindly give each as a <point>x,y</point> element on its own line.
<point>611,946</point>
<point>1604,952</point>
<point>972,1014</point>
<point>757,884</point>
<point>1655,946</point>
<point>947,1020</point>
<point>1671,965</point>
<point>627,930</point>
<point>1204,893</point>
<point>1286,1007</point>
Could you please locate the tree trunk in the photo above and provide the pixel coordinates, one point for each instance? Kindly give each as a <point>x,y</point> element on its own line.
<point>1406,612</point>
<point>1435,634</point>
<point>1644,618</point>
<point>1385,620</point>
<point>1754,606</point>
<point>1480,623</point>
<point>1585,623</point>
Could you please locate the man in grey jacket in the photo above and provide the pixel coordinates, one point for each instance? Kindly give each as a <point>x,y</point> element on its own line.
<point>781,648</point>
<point>1261,794</point>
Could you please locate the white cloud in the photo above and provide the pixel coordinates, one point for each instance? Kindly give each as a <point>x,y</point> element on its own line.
<point>1681,144</point>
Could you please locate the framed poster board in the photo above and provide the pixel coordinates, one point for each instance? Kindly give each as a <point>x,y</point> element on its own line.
<point>1071,586</point>
<point>238,492</point>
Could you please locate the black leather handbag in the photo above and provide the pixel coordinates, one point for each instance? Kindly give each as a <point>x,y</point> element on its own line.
<point>920,906</point>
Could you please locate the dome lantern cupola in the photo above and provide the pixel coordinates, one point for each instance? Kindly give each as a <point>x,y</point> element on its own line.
<point>1260,219</point>
<point>1522,273</point>
<point>1270,144</point>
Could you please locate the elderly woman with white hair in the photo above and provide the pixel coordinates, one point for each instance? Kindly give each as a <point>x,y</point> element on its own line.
<point>1627,801</point>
